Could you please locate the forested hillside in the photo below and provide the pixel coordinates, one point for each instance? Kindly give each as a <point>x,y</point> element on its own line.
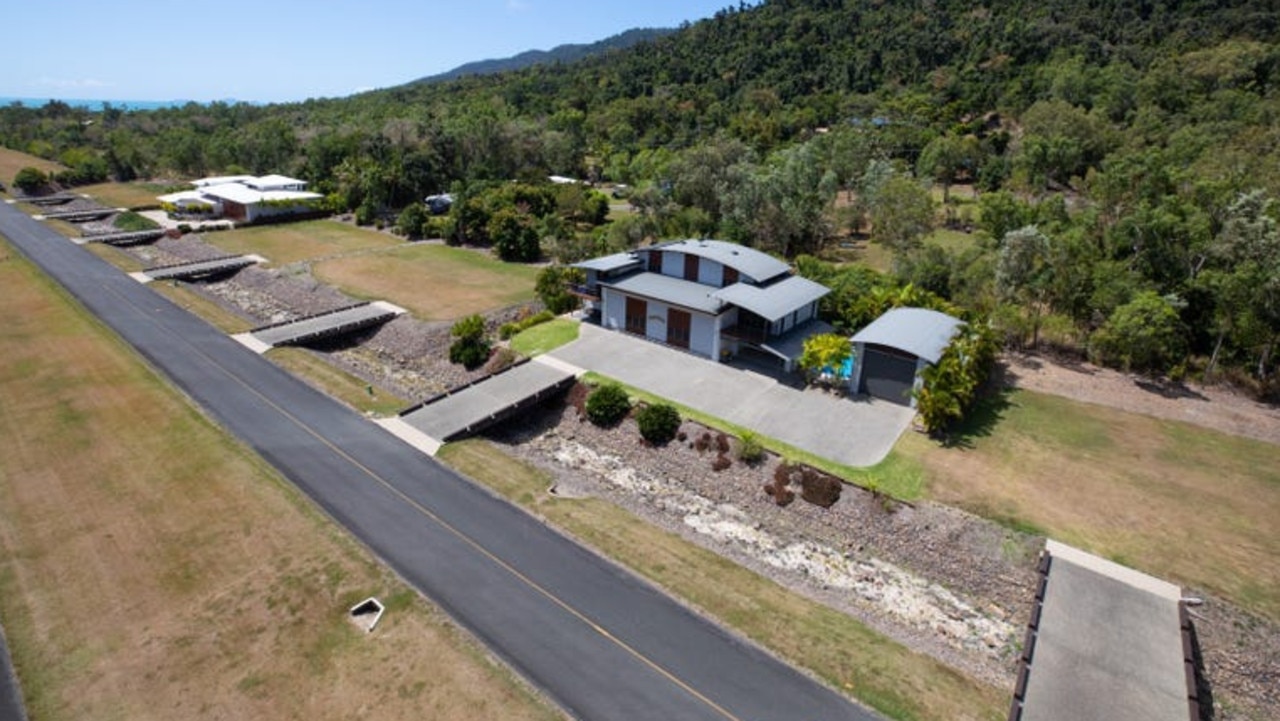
<point>559,54</point>
<point>1124,154</point>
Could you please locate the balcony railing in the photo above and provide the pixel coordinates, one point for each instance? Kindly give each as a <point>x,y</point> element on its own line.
<point>583,291</point>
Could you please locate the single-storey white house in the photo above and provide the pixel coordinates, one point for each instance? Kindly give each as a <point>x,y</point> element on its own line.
<point>245,198</point>
<point>710,297</point>
<point>892,350</point>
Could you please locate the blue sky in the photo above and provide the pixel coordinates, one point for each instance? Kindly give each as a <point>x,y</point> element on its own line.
<point>282,50</point>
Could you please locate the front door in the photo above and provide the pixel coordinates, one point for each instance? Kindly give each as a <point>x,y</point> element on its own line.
<point>637,309</point>
<point>678,324</point>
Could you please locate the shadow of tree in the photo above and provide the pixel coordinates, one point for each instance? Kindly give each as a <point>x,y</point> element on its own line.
<point>985,414</point>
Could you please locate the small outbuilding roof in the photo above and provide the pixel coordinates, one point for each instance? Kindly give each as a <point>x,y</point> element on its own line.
<point>220,180</point>
<point>664,288</point>
<point>774,301</point>
<point>918,331</point>
<point>274,182</point>
<point>747,261</point>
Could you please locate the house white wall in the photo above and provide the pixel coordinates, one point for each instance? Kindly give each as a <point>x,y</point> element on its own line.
<point>710,272</point>
<point>613,310</point>
<point>704,335</point>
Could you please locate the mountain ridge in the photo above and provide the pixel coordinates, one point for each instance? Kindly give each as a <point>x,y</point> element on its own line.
<point>566,53</point>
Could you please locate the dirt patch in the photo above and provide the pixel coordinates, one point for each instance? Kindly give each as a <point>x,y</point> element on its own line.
<point>1213,407</point>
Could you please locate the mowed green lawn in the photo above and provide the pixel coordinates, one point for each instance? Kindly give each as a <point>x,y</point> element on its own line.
<point>287,243</point>
<point>433,281</point>
<point>1178,501</point>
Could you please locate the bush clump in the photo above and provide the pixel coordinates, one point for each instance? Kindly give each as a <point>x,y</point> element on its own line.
<point>471,349</point>
<point>607,405</point>
<point>658,423</point>
<point>507,330</point>
<point>750,450</point>
<point>777,489</point>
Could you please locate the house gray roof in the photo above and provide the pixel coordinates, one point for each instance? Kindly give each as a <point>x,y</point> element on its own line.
<point>747,261</point>
<point>606,263</point>
<point>676,291</point>
<point>919,331</point>
<point>776,300</point>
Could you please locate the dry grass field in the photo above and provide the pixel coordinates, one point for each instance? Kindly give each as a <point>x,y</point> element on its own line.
<point>896,681</point>
<point>11,161</point>
<point>153,568</point>
<point>1182,502</point>
<point>124,195</point>
<point>433,281</point>
<point>303,241</point>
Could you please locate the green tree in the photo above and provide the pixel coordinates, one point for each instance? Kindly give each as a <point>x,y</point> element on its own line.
<point>608,405</point>
<point>1024,272</point>
<point>413,221</point>
<point>1143,335</point>
<point>30,180</point>
<point>470,347</point>
<point>901,214</point>
<point>658,423</point>
<point>515,236</point>
<point>552,287</point>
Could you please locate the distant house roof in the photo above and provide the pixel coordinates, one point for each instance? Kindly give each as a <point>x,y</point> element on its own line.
<point>183,196</point>
<point>607,263</point>
<point>667,289</point>
<point>919,331</point>
<point>221,180</point>
<point>748,261</point>
<point>243,194</point>
<point>274,182</point>
<point>774,301</point>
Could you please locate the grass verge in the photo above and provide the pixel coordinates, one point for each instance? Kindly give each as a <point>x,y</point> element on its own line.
<point>356,393</point>
<point>153,568</point>
<point>11,161</point>
<point>880,672</point>
<point>897,475</point>
<point>125,195</point>
<point>545,336</point>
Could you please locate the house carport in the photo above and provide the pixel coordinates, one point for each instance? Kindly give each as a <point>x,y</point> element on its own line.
<point>893,349</point>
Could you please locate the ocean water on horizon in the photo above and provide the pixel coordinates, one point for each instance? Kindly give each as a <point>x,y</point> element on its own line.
<point>97,105</point>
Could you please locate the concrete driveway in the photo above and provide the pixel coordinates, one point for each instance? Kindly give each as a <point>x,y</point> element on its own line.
<point>856,432</point>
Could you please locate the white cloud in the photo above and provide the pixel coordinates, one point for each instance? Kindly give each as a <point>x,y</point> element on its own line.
<point>70,84</point>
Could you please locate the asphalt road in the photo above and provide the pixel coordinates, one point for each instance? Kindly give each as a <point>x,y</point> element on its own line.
<point>11,708</point>
<point>600,642</point>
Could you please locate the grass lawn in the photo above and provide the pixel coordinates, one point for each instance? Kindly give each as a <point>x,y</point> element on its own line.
<point>899,475</point>
<point>153,568</point>
<point>433,281</point>
<point>849,656</point>
<point>1178,501</point>
<point>336,382</point>
<point>11,161</point>
<point>306,240</point>
<point>545,336</point>
<point>951,240</point>
<point>124,195</point>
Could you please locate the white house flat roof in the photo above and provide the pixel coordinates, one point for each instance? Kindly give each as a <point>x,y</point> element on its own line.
<point>178,197</point>
<point>245,195</point>
<point>665,289</point>
<point>748,261</point>
<point>774,301</point>
<point>221,180</point>
<point>919,331</point>
<point>270,181</point>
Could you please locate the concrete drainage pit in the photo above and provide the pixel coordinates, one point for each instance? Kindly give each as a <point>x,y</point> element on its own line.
<point>366,613</point>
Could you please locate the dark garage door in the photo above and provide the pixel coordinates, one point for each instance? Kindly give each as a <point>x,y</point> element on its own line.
<point>888,374</point>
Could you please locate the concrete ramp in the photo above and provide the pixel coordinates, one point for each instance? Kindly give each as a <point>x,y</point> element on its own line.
<point>198,269</point>
<point>323,325</point>
<point>80,216</point>
<point>474,407</point>
<point>1104,642</point>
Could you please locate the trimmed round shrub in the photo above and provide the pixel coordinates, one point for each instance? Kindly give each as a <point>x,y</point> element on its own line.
<point>658,423</point>
<point>607,405</point>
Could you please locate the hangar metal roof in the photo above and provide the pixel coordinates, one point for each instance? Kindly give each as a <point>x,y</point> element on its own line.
<point>919,331</point>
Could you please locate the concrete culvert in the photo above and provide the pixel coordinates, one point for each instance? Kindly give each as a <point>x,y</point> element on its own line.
<point>366,613</point>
